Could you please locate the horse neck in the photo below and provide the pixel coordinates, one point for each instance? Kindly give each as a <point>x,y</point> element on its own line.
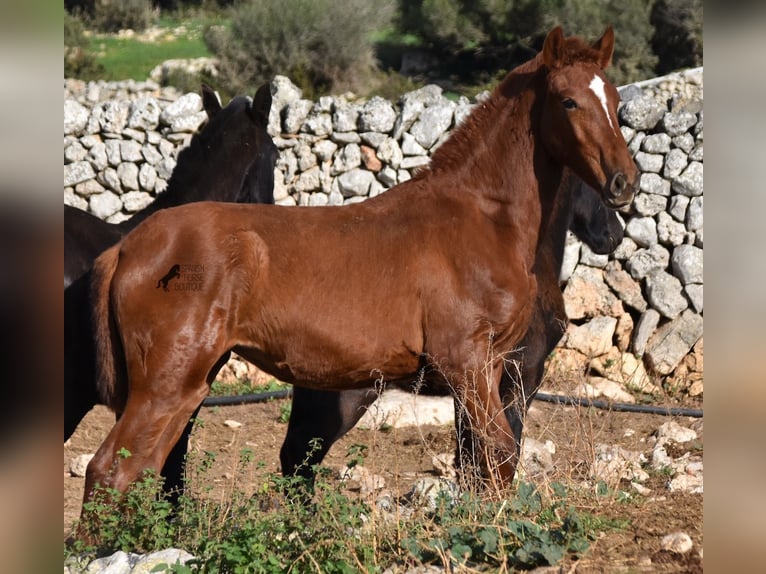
<point>193,179</point>
<point>497,156</point>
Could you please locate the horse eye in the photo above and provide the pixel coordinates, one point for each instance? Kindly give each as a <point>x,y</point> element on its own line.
<point>569,104</point>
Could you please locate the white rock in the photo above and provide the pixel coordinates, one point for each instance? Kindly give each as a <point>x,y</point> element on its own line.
<point>150,562</point>
<point>592,338</point>
<point>75,117</point>
<point>537,456</point>
<point>368,481</point>
<point>397,408</point>
<point>641,489</point>
<point>686,483</point>
<point>426,491</point>
<point>79,464</point>
<point>613,463</point>
<point>611,390</point>
<point>444,463</point>
<point>104,204</point>
<point>677,542</point>
<point>118,563</point>
<point>671,430</point>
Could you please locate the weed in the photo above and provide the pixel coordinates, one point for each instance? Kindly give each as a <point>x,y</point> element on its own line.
<point>284,412</point>
<point>245,386</point>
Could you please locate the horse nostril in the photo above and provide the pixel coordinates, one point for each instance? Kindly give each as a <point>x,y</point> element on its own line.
<point>618,185</point>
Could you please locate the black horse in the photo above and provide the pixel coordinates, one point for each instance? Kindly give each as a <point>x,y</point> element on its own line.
<point>328,415</point>
<point>232,159</point>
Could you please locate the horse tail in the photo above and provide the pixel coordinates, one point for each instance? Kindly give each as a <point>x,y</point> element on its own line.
<point>111,376</point>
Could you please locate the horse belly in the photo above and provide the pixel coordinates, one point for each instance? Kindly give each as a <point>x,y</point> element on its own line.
<point>307,356</point>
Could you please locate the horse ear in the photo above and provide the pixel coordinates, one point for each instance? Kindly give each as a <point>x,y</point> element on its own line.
<point>210,101</point>
<point>262,103</point>
<point>553,48</point>
<point>605,47</point>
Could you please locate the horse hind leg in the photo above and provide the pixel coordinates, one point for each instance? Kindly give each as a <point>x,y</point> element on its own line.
<point>322,415</point>
<point>154,417</point>
<point>141,439</point>
<point>173,471</point>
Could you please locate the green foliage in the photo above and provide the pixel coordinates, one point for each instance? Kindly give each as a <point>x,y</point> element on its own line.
<point>245,386</point>
<point>517,28</point>
<point>633,58</point>
<point>278,529</point>
<point>79,62</point>
<point>525,533</point>
<point>322,45</point>
<point>115,15</point>
<point>138,521</point>
<point>455,25</point>
<point>677,39</point>
<point>284,412</point>
<point>391,85</point>
<point>126,58</point>
<point>356,454</point>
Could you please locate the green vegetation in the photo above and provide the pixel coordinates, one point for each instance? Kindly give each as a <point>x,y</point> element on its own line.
<point>322,45</point>
<point>633,57</point>
<point>79,61</point>
<point>677,39</point>
<point>127,58</point>
<point>328,46</point>
<point>277,530</point>
<point>245,387</point>
<point>115,15</point>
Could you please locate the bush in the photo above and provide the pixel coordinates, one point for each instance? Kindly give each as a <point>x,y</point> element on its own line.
<point>677,37</point>
<point>116,15</point>
<point>321,45</point>
<point>78,61</point>
<point>456,25</point>
<point>519,27</point>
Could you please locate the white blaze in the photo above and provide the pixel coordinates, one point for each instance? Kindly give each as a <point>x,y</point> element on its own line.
<point>597,85</point>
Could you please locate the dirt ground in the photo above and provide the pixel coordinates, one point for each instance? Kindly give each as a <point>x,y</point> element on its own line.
<point>402,455</point>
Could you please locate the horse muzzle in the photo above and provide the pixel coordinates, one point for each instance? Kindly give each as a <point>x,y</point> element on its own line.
<point>620,191</point>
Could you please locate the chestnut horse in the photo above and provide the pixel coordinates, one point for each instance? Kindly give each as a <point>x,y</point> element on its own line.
<point>434,279</point>
<point>231,159</point>
<point>329,415</point>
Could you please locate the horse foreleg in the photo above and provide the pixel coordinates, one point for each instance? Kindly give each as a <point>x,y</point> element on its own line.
<point>486,439</point>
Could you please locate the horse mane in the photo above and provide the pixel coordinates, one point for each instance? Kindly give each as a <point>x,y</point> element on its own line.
<point>474,128</point>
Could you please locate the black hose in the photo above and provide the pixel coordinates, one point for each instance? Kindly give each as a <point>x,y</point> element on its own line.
<point>557,399</point>
<point>245,399</point>
<point>623,407</point>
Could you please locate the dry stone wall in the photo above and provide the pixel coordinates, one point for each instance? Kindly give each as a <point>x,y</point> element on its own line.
<point>635,312</point>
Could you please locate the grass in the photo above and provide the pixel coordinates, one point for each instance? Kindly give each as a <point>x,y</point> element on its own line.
<point>133,56</point>
<point>128,58</point>
<point>276,530</point>
<point>245,387</point>
<point>254,521</point>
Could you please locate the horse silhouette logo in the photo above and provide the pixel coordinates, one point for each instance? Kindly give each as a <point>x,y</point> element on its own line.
<point>174,272</point>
